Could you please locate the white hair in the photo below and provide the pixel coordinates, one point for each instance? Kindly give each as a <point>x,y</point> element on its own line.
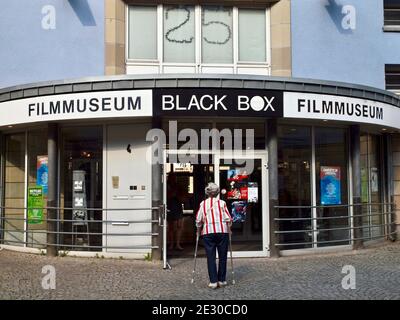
<point>212,189</point>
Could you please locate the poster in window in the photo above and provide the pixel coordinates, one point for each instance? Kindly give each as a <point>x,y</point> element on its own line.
<point>238,193</point>
<point>42,173</point>
<point>252,192</point>
<point>374,180</point>
<point>330,185</point>
<point>35,205</point>
<point>237,175</point>
<point>238,212</point>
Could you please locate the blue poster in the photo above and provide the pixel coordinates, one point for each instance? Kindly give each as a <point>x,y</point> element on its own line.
<point>42,173</point>
<point>239,211</point>
<point>330,186</point>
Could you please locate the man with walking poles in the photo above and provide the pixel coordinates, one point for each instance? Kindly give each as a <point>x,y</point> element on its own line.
<point>214,222</point>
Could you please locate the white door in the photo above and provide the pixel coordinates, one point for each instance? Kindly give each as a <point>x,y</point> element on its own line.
<point>245,190</point>
<point>251,233</point>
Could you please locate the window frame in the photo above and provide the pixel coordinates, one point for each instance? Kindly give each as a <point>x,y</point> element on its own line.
<point>390,27</point>
<point>392,70</point>
<point>198,66</point>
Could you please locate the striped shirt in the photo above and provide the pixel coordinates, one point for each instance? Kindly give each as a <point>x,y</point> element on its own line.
<point>214,216</point>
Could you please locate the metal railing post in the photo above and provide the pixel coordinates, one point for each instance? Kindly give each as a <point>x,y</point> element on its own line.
<point>393,220</point>
<point>275,237</point>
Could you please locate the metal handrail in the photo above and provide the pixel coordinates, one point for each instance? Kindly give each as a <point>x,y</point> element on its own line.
<point>10,229</point>
<point>334,217</point>
<point>335,205</point>
<point>332,229</point>
<point>331,241</point>
<point>93,221</point>
<point>87,209</point>
<point>384,226</point>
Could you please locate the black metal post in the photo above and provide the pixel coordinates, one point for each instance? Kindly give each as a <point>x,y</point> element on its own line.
<point>356,180</point>
<point>52,150</point>
<point>392,219</point>
<point>157,201</point>
<point>272,146</point>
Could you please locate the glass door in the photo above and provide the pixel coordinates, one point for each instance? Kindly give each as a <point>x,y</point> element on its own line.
<point>243,184</point>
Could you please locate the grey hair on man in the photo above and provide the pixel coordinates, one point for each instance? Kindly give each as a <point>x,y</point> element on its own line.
<point>212,190</point>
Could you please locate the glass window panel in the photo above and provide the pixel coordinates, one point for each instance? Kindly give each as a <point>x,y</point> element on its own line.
<point>252,34</point>
<point>248,141</point>
<point>364,183</point>
<point>235,182</point>
<point>37,176</point>
<point>375,183</point>
<point>14,188</point>
<point>217,43</point>
<point>331,166</point>
<point>371,186</point>
<point>143,32</point>
<point>179,34</point>
<point>294,165</point>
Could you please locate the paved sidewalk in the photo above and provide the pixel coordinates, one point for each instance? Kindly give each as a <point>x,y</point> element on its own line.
<point>310,277</point>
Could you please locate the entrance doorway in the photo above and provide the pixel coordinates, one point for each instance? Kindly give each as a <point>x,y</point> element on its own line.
<point>244,192</point>
<point>81,187</point>
<point>184,191</point>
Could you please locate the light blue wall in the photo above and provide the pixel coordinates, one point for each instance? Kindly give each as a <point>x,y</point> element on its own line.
<point>28,53</point>
<point>322,49</point>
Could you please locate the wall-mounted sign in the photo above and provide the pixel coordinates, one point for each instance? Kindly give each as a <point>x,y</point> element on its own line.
<point>330,185</point>
<point>88,105</point>
<point>194,102</point>
<point>329,107</point>
<point>218,102</point>
<point>79,205</point>
<point>252,193</point>
<point>35,205</point>
<point>183,167</point>
<point>42,173</point>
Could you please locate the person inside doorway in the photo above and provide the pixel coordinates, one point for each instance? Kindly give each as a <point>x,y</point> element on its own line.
<point>215,222</point>
<point>174,214</point>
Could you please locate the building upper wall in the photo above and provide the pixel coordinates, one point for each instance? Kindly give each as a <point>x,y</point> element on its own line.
<point>323,49</point>
<point>50,39</point>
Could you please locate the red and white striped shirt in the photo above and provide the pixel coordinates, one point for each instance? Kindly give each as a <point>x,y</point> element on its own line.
<point>214,216</point>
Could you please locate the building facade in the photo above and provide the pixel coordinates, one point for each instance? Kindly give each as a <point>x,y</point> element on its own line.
<point>282,103</point>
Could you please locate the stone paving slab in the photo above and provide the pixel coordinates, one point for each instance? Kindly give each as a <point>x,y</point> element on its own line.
<point>305,277</point>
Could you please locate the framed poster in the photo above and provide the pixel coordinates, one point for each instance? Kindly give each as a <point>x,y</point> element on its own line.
<point>330,185</point>
<point>42,173</point>
<point>252,192</point>
<point>35,205</point>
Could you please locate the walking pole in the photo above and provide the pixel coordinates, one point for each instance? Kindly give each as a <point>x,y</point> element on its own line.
<point>195,253</point>
<point>230,249</point>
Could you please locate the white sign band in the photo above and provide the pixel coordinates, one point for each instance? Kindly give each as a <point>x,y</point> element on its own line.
<point>89,105</point>
<point>329,107</point>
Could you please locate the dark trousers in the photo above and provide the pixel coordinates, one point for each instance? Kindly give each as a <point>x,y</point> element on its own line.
<point>213,242</point>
